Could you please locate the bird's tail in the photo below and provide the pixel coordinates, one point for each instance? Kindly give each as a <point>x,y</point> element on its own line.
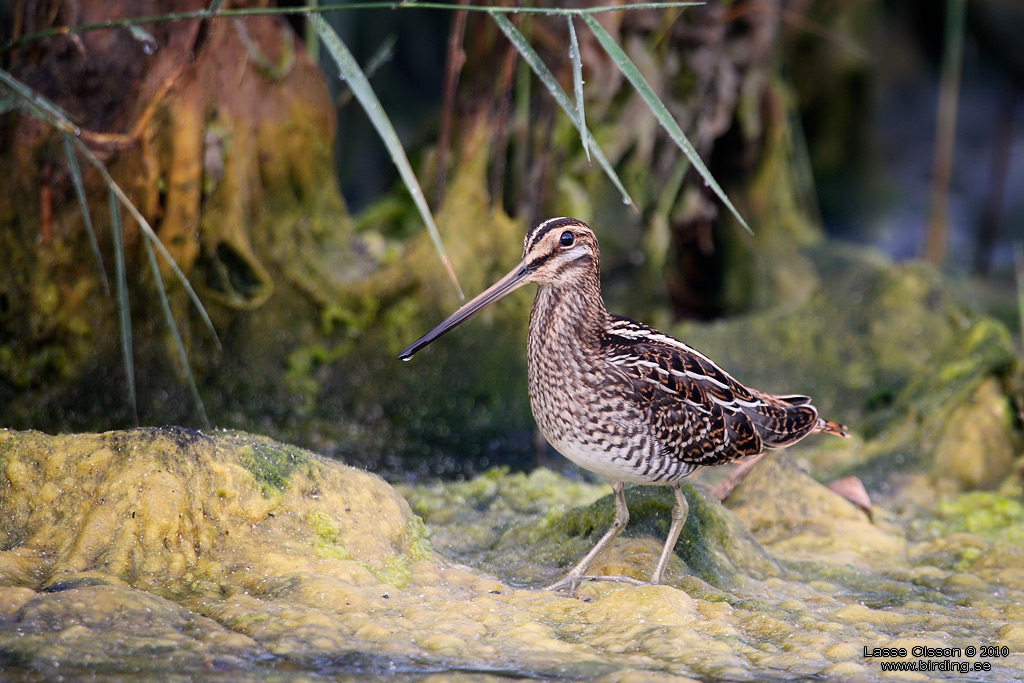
<point>829,427</point>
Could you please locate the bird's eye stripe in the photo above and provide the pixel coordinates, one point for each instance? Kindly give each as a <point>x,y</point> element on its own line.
<point>541,229</point>
<point>539,261</point>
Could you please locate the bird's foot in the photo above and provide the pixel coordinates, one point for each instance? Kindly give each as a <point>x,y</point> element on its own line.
<point>571,582</point>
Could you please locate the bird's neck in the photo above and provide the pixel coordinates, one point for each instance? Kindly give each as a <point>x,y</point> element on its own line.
<point>569,315</point>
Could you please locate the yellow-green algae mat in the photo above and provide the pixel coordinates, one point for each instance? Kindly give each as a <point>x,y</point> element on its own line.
<point>178,553</point>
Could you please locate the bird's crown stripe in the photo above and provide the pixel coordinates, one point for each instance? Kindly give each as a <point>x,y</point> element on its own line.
<point>545,227</point>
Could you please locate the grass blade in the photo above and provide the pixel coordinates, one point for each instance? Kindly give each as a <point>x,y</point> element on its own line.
<point>361,88</point>
<point>37,105</point>
<point>659,110</point>
<point>123,305</point>
<point>52,115</point>
<point>385,53</point>
<point>49,113</point>
<point>8,103</point>
<point>178,344</point>
<point>150,234</point>
<point>531,57</point>
<point>577,83</point>
<point>83,205</point>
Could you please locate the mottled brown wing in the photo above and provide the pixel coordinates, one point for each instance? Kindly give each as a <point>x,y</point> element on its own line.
<point>686,414</point>
<point>697,411</point>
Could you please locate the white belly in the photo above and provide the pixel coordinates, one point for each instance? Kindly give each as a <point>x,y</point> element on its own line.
<point>597,461</point>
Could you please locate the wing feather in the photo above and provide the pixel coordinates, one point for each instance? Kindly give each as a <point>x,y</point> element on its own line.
<point>697,412</point>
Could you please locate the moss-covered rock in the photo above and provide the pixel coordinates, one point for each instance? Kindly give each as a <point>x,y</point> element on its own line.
<point>713,544</point>
<point>821,581</point>
<point>247,558</point>
<point>111,629</point>
<point>976,444</point>
<point>796,517</point>
<point>172,508</point>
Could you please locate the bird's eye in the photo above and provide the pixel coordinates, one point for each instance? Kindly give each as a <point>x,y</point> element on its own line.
<point>567,239</point>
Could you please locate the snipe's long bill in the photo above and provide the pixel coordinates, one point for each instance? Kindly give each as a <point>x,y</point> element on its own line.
<point>622,399</point>
<point>514,280</point>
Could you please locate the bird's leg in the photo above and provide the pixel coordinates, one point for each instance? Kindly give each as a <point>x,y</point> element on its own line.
<point>679,512</point>
<point>572,579</point>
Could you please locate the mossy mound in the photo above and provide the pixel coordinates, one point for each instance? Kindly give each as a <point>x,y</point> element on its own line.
<point>814,581</point>
<point>798,518</point>
<point>713,544</point>
<point>251,559</point>
<point>172,509</point>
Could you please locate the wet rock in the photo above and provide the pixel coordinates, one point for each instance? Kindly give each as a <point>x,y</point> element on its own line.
<point>713,544</point>
<point>248,558</point>
<point>837,582</point>
<point>109,628</point>
<point>796,517</point>
<point>176,507</point>
<point>976,446</point>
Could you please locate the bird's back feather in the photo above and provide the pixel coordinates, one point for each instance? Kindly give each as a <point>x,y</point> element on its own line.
<point>697,411</point>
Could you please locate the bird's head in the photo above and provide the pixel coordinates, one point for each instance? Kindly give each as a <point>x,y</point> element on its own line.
<point>559,251</point>
<point>556,252</point>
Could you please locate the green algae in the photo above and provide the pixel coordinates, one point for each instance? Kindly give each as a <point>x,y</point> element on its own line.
<point>713,543</point>
<point>500,490</point>
<point>394,570</point>
<point>337,566</point>
<point>327,537</point>
<point>272,463</point>
<point>419,540</point>
<point>988,514</point>
<point>507,497</point>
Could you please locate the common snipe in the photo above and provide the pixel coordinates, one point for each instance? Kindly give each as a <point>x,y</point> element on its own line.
<point>621,399</point>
